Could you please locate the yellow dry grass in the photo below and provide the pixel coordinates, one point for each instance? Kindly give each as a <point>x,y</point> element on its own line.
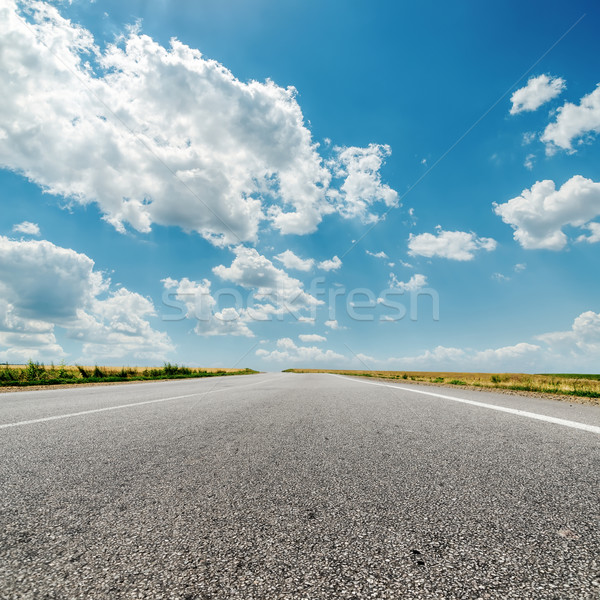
<point>587,386</point>
<point>110,369</point>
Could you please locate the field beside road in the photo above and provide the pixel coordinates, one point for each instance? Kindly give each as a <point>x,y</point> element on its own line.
<point>581,386</point>
<point>37,374</point>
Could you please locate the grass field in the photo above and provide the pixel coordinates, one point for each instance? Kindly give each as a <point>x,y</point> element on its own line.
<point>34,373</point>
<point>568,384</point>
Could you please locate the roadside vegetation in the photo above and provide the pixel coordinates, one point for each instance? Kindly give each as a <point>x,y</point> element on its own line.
<point>568,384</point>
<point>34,373</point>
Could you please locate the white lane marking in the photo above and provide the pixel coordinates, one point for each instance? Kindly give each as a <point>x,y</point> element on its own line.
<point>512,411</point>
<point>97,410</point>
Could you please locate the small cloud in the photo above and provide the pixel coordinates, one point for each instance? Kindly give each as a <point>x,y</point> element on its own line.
<point>312,337</point>
<point>333,324</point>
<point>292,261</point>
<point>414,284</point>
<point>424,161</point>
<point>529,161</point>
<point>520,267</point>
<point>381,254</point>
<point>391,265</point>
<point>27,228</point>
<point>309,320</point>
<point>594,236</point>
<point>538,91</point>
<point>330,265</point>
<point>500,277</point>
<point>454,245</point>
<point>529,137</point>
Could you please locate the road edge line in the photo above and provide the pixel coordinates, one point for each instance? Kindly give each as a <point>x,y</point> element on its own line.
<point>505,409</point>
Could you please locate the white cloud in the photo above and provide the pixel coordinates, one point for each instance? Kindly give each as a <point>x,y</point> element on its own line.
<point>455,245</point>
<point>201,307</point>
<point>582,340</point>
<point>288,351</point>
<point>576,350</point>
<point>117,327</point>
<point>381,254</point>
<point>165,136</point>
<point>519,267</point>
<point>330,265</point>
<point>312,337</point>
<point>414,284</point>
<point>500,277</point>
<point>538,215</point>
<point>44,286</point>
<point>362,187</point>
<point>573,122</point>
<point>46,282</point>
<point>251,270</point>
<point>443,358</point>
<point>333,324</point>
<point>308,320</point>
<point>594,236</point>
<point>22,339</point>
<point>529,161</point>
<point>292,261</point>
<point>538,91</point>
<point>27,228</point>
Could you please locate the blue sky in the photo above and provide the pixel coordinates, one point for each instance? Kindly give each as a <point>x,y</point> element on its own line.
<point>255,183</point>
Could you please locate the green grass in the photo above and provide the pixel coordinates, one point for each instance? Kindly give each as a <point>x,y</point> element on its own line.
<point>35,373</point>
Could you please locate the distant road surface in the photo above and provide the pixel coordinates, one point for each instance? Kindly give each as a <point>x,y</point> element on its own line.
<point>292,486</point>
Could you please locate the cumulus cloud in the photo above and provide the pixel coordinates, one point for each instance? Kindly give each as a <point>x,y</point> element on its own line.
<point>455,245</point>
<point>292,261</point>
<point>27,228</point>
<point>44,286</point>
<point>156,135</point>
<point>414,284</point>
<point>539,214</point>
<point>362,187</point>
<point>288,351</point>
<point>117,327</point>
<point>583,339</point>
<point>443,358</point>
<point>311,337</point>
<point>574,350</point>
<point>594,236</point>
<point>253,271</point>
<point>333,324</point>
<point>538,91</point>
<point>573,122</point>
<point>332,264</point>
<point>201,306</point>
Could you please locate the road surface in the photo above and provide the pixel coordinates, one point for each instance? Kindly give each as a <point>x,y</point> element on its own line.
<point>296,486</point>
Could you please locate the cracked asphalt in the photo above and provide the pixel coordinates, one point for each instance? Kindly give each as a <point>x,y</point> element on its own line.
<point>294,486</point>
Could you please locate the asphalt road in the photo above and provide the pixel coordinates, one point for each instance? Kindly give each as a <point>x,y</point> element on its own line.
<point>296,486</point>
